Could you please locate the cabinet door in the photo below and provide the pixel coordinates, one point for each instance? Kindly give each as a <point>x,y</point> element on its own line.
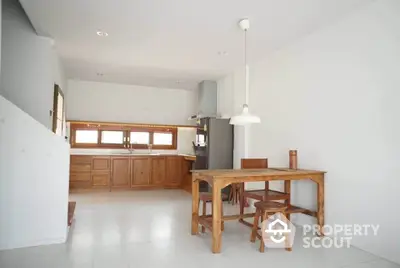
<point>140,171</point>
<point>186,175</point>
<point>174,170</point>
<point>158,173</point>
<point>100,178</point>
<point>120,172</point>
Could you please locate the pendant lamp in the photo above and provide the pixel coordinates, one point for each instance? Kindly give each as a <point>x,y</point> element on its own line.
<point>245,117</point>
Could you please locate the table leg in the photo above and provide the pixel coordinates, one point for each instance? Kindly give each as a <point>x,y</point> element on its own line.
<point>216,219</point>
<point>321,204</point>
<point>241,200</point>
<point>195,206</point>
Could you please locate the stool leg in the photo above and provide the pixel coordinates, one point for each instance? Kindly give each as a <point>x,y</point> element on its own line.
<point>254,230</point>
<point>262,245</point>
<point>287,241</point>
<point>222,216</point>
<point>203,229</point>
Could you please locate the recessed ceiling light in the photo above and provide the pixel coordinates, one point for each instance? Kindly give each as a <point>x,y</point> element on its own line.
<point>223,53</point>
<point>102,34</point>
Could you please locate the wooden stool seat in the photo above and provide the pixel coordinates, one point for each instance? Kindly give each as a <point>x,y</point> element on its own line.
<point>264,209</point>
<point>207,197</point>
<point>269,206</point>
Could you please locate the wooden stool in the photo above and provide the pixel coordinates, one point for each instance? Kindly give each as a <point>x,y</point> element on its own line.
<point>264,209</point>
<point>206,197</point>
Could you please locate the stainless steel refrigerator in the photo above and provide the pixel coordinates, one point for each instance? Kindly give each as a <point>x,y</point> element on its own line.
<point>213,146</point>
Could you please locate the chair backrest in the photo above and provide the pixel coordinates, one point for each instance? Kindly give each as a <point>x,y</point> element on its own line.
<point>254,163</point>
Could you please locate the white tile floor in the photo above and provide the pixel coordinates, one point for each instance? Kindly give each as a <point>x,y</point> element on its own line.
<point>152,229</point>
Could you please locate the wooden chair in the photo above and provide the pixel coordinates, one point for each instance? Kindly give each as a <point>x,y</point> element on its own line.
<point>234,194</point>
<point>264,209</point>
<point>206,197</point>
<point>262,194</point>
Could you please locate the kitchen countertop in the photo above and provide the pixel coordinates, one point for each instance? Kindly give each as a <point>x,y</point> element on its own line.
<point>125,153</point>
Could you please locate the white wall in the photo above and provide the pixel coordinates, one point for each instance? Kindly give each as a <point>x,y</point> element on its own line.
<point>34,174</point>
<point>231,97</point>
<point>30,65</point>
<point>96,101</point>
<point>334,96</point>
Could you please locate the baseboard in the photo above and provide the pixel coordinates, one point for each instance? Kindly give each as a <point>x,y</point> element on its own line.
<point>60,240</point>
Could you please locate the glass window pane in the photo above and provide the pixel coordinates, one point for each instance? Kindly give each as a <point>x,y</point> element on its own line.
<point>201,139</point>
<point>60,106</point>
<point>86,136</point>
<point>140,137</point>
<point>162,138</point>
<point>112,137</point>
<point>59,127</point>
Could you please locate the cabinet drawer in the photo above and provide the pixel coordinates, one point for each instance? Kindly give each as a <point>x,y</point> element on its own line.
<point>81,176</point>
<point>81,159</point>
<point>78,167</point>
<point>100,178</point>
<point>101,163</point>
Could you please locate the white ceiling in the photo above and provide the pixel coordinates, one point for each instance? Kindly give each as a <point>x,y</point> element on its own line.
<point>159,42</point>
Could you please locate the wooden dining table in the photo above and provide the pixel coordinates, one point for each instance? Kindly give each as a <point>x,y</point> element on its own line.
<point>220,178</point>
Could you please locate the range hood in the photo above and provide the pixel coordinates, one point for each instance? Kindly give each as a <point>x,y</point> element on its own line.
<point>206,100</point>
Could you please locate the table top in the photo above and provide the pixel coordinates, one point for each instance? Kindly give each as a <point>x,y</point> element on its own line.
<point>229,173</point>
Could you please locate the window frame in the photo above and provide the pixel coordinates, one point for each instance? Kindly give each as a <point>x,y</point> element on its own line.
<point>56,107</point>
<point>127,129</point>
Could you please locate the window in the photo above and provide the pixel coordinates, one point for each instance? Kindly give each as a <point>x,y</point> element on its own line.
<point>140,138</point>
<point>201,139</point>
<point>162,138</point>
<point>86,136</point>
<point>114,135</point>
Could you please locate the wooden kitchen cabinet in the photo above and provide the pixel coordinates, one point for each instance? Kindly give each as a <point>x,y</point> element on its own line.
<point>120,172</point>
<point>129,172</point>
<point>80,167</point>
<point>100,172</point>
<point>174,170</point>
<point>100,178</point>
<point>140,171</point>
<point>187,176</point>
<point>101,163</point>
<point>158,171</point>
<point>80,177</point>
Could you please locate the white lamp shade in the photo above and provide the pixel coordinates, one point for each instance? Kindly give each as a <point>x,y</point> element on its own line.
<point>245,118</point>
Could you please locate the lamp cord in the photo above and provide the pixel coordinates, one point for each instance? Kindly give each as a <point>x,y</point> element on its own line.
<point>246,68</point>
